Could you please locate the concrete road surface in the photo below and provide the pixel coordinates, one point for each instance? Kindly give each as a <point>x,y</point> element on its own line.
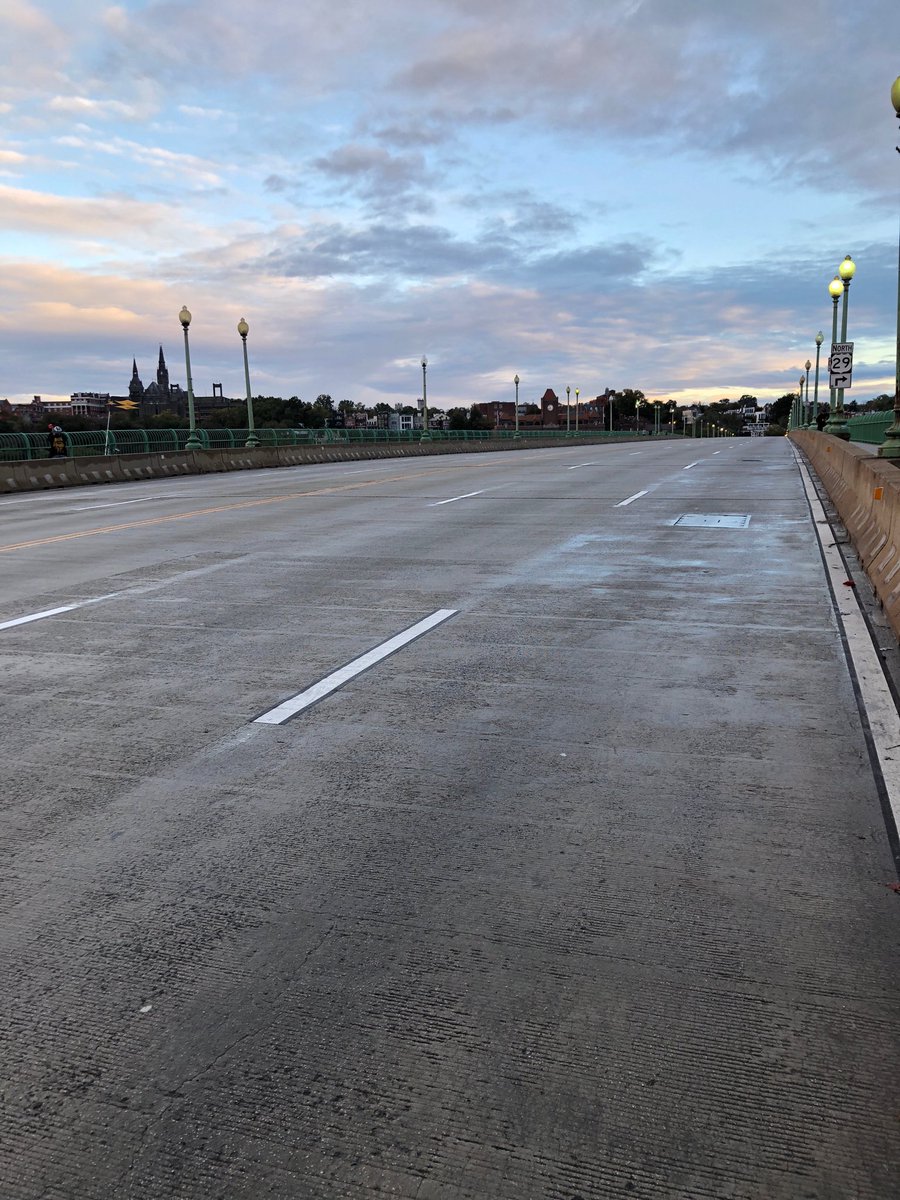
<point>555,868</point>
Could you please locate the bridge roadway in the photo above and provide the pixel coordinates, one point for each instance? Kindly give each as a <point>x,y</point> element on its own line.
<point>582,892</point>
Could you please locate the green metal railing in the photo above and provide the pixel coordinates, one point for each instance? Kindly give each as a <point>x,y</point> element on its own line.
<point>16,447</point>
<point>869,427</point>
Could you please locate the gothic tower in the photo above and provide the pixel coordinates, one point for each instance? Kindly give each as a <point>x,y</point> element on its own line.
<point>135,388</point>
<point>162,374</point>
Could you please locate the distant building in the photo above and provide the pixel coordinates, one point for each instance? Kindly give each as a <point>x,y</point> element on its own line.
<point>90,404</point>
<point>36,412</point>
<point>57,408</point>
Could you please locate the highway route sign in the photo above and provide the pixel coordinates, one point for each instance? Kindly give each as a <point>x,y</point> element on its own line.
<point>840,365</point>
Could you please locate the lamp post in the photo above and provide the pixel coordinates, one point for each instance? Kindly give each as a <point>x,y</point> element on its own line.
<point>637,416</point>
<point>891,445</point>
<point>801,407</point>
<point>808,414</point>
<point>656,404</point>
<point>252,440</point>
<point>193,442</point>
<point>577,394</point>
<point>846,271</point>
<point>426,431</point>
<point>516,382</point>
<point>612,396</point>
<point>671,418</point>
<point>814,423</point>
<point>568,410</point>
<point>835,291</point>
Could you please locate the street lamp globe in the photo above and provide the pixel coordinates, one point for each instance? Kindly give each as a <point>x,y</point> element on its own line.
<point>895,95</point>
<point>836,288</point>
<point>847,269</point>
<point>185,316</point>
<point>243,328</point>
<point>820,338</point>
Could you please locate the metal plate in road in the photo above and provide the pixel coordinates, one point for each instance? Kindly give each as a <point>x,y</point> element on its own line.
<point>713,520</point>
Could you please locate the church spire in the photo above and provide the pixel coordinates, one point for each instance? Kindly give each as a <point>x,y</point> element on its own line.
<point>135,388</point>
<point>162,373</point>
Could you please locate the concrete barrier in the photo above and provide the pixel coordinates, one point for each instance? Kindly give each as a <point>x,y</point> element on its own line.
<point>114,468</point>
<point>866,493</point>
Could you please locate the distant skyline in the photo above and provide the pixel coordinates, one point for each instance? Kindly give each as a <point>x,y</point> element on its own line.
<point>600,193</point>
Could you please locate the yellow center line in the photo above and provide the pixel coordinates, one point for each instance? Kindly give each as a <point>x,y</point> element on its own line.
<point>203,512</point>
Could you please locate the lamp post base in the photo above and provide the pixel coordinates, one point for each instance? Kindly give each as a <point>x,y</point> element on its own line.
<point>890,447</point>
<point>252,442</point>
<point>193,442</point>
<point>839,430</point>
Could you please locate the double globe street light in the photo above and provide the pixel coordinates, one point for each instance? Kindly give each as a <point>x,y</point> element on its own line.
<point>193,440</point>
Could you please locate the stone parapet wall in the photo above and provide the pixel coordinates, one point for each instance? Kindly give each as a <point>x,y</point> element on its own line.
<point>865,490</point>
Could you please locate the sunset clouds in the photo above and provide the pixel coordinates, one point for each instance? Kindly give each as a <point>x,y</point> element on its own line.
<point>635,193</point>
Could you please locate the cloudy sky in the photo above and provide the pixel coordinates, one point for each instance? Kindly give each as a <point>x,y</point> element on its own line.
<point>623,193</point>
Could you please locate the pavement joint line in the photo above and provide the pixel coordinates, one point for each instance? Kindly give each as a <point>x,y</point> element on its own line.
<point>631,499</point>
<point>318,691</point>
<point>875,695</point>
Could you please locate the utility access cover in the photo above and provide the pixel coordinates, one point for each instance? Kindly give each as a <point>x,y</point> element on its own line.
<point>713,520</point>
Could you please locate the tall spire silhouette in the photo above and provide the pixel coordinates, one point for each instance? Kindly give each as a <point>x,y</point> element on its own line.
<point>162,373</point>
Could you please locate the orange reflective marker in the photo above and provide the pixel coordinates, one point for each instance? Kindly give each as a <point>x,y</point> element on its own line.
<point>878,493</point>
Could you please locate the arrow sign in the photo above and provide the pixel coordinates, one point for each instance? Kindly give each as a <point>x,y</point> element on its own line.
<point>840,365</point>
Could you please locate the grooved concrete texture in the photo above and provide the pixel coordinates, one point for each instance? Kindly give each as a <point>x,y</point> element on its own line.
<point>582,895</point>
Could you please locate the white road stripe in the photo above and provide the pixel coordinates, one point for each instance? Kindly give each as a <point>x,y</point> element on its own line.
<point>140,590</point>
<point>290,708</point>
<point>49,612</point>
<point>881,711</point>
<point>688,467</point>
<point>119,503</point>
<point>631,499</point>
<point>577,465</point>
<point>452,498</point>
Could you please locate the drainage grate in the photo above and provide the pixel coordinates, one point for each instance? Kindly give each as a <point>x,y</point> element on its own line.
<point>713,520</point>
